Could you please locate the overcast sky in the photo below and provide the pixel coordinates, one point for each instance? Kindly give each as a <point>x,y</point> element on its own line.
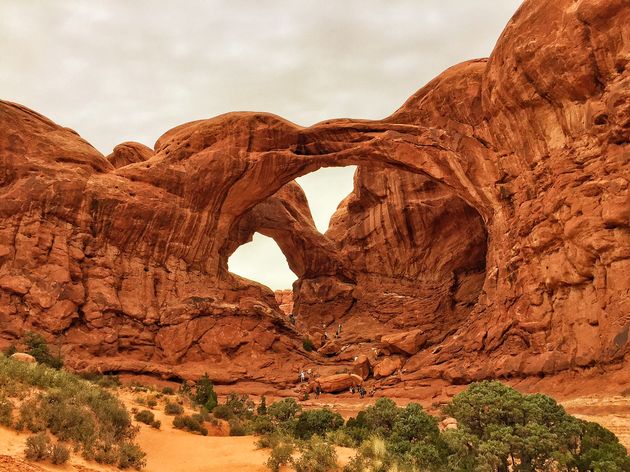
<point>121,70</point>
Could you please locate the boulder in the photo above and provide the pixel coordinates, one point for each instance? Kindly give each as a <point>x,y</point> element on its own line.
<point>448,423</point>
<point>338,382</point>
<point>361,366</point>
<point>408,342</point>
<point>23,357</point>
<point>387,367</point>
<point>331,348</point>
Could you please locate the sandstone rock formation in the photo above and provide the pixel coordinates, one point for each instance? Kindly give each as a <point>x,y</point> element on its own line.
<point>491,213</point>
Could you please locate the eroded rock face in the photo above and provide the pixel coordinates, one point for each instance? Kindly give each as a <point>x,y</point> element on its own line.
<point>492,212</point>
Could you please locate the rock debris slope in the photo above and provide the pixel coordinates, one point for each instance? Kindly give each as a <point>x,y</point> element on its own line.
<point>488,233</point>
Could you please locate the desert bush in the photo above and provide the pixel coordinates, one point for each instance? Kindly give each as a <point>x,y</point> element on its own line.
<point>130,455</point>
<point>340,437</point>
<point>308,345</point>
<point>168,391</point>
<point>145,416</point>
<point>9,351</point>
<point>284,410</point>
<point>204,393</point>
<point>152,402</point>
<point>599,450</point>
<point>37,347</point>
<point>281,454</point>
<point>223,412</point>
<point>6,411</point>
<point>316,455</point>
<point>73,409</point>
<point>372,456</point>
<point>67,421</point>
<point>38,447</point>
<point>103,453</point>
<point>318,422</point>
<point>60,454</point>
<point>157,424</point>
<point>239,427</point>
<point>261,409</point>
<point>240,405</point>
<point>105,381</point>
<point>31,416</point>
<point>171,408</point>
<point>263,425</point>
<point>189,423</point>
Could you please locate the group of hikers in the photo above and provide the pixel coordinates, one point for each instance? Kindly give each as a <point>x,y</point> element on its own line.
<point>362,392</point>
<point>304,375</point>
<point>325,333</point>
<point>337,333</point>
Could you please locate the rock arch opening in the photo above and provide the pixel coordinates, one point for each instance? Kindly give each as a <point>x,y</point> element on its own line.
<point>261,260</point>
<point>325,189</point>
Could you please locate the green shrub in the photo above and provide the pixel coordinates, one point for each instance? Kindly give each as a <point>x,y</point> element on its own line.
<point>238,427</point>
<point>67,421</point>
<point>372,456</point>
<point>261,409</point>
<point>263,425</point>
<point>37,347</point>
<point>308,345</point>
<point>599,450</point>
<point>105,381</point>
<point>130,455</point>
<point>281,453</point>
<point>168,391</point>
<point>223,412</point>
<point>316,455</point>
<point>240,405</point>
<point>533,430</point>
<point>59,454</point>
<point>189,423</point>
<point>173,408</point>
<point>152,402</point>
<point>205,394</point>
<point>9,351</point>
<point>318,422</point>
<point>284,410</point>
<point>38,447</point>
<point>145,416</point>
<point>103,453</point>
<point>73,409</point>
<point>31,416</point>
<point>341,438</point>
<point>157,424</point>
<point>6,411</point>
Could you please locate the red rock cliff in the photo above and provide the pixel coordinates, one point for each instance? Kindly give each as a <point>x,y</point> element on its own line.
<point>488,231</point>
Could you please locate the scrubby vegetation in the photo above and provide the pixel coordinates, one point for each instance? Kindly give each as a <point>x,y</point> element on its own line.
<point>147,417</point>
<point>36,346</point>
<point>171,408</point>
<point>498,430</point>
<point>308,345</point>
<point>91,420</point>
<point>204,393</point>
<point>192,423</point>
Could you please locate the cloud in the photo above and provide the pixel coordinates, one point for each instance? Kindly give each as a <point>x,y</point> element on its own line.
<point>122,70</point>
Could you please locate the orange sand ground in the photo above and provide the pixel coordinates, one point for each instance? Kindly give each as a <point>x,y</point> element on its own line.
<point>171,450</point>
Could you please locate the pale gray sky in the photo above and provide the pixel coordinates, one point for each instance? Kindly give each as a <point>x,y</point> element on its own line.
<point>121,70</point>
